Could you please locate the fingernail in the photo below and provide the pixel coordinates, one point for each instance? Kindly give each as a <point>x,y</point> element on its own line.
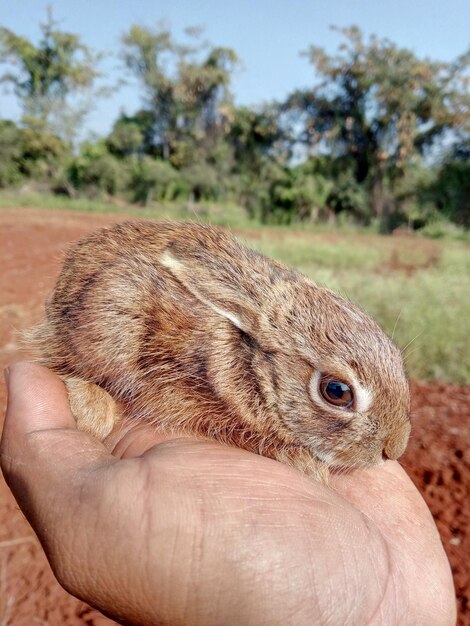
<point>6,374</point>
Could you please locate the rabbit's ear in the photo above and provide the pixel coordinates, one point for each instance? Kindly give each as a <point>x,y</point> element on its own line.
<point>220,295</point>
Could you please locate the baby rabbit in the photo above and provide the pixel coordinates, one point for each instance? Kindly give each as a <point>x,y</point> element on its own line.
<point>182,326</point>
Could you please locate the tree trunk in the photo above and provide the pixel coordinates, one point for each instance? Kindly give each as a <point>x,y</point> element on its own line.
<point>331,217</point>
<point>377,192</point>
<point>381,209</point>
<point>166,150</point>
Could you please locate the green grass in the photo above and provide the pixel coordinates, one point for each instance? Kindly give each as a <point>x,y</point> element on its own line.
<point>225,214</point>
<point>427,306</point>
<point>15,199</point>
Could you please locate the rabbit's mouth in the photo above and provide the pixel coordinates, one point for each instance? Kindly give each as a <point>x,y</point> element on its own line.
<point>349,459</point>
<point>338,469</point>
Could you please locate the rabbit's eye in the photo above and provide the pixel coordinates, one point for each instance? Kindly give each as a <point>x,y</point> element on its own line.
<point>336,392</point>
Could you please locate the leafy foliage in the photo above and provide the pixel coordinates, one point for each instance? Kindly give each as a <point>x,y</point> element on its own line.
<point>10,153</point>
<point>185,90</point>
<point>154,180</point>
<point>451,191</point>
<point>43,76</point>
<point>360,146</point>
<point>380,106</point>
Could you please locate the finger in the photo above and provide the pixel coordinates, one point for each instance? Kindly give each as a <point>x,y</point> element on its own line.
<point>387,497</point>
<point>380,490</point>
<point>42,454</point>
<point>133,439</point>
<point>60,479</point>
<point>37,398</point>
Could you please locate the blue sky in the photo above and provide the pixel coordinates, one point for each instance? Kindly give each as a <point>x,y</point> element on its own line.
<point>268,36</point>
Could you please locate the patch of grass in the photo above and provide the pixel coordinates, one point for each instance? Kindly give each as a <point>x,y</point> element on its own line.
<point>310,251</point>
<point>12,200</point>
<point>222,214</point>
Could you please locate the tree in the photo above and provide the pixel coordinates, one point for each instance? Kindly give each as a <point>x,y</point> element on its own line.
<point>10,153</point>
<point>126,138</point>
<point>145,52</point>
<point>42,153</point>
<point>186,90</point>
<point>154,179</point>
<point>381,106</point>
<point>95,170</point>
<point>204,95</point>
<point>255,135</point>
<point>45,76</point>
<point>451,190</point>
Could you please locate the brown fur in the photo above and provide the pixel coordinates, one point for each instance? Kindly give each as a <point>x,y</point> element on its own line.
<point>151,314</point>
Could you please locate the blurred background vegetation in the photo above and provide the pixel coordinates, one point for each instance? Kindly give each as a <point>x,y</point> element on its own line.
<point>380,140</point>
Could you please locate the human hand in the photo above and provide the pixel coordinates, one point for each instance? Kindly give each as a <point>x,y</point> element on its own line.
<point>173,530</point>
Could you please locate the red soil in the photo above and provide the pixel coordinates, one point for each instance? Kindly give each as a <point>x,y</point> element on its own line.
<point>438,457</point>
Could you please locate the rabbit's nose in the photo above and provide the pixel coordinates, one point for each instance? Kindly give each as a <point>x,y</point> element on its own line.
<point>396,444</point>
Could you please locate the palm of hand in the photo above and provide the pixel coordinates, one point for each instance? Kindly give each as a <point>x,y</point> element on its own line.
<point>262,539</point>
<point>180,531</point>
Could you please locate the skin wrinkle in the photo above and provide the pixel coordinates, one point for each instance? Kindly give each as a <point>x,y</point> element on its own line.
<point>427,563</point>
<point>312,571</point>
<point>259,574</point>
<point>63,549</point>
<point>40,439</point>
<point>97,527</point>
<point>147,485</point>
<point>385,588</point>
<point>292,574</point>
<point>91,503</point>
<point>329,611</point>
<point>263,568</point>
<point>292,616</point>
<point>399,607</point>
<point>269,560</point>
<point>146,526</point>
<point>365,522</point>
<point>176,578</point>
<point>194,555</point>
<point>332,574</point>
<point>198,551</point>
<point>351,583</point>
<point>289,493</point>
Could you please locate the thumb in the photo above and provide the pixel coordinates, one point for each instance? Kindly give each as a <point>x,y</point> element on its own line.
<point>43,456</point>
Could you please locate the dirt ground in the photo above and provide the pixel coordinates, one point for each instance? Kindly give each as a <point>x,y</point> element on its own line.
<point>438,458</point>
